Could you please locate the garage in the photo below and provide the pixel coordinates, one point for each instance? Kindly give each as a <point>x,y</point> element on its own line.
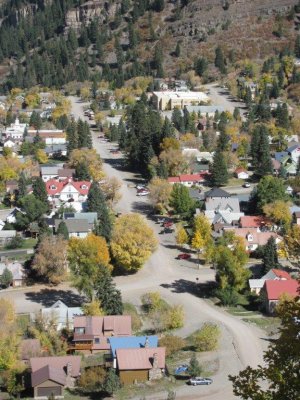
<point>48,391</point>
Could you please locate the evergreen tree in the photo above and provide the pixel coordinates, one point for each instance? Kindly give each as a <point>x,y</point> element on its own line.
<point>194,367</point>
<point>6,278</point>
<point>280,77</point>
<point>35,120</point>
<point>72,136</point>
<point>248,97</point>
<point>82,172</point>
<point>109,296</point>
<point>219,173</point>
<point>180,199</point>
<point>63,230</point>
<point>40,191</point>
<point>219,60</point>
<point>201,65</point>
<point>22,184</point>
<point>260,151</point>
<point>282,116</point>
<point>223,141</point>
<point>270,257</point>
<point>96,203</point>
<point>275,91</point>
<point>158,61</point>
<point>236,114</point>
<point>158,5</point>
<point>177,49</point>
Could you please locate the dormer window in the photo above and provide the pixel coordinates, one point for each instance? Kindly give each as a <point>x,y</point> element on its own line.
<point>83,187</point>
<point>250,237</point>
<point>53,187</point>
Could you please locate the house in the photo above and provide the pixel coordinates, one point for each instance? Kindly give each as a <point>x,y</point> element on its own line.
<point>56,172</point>
<point>216,192</point>
<point>168,99</point>
<point>8,215</point>
<point>17,271</point>
<point>91,333</point>
<point>200,156</point>
<point>188,179</point>
<point>62,314</point>
<point>289,190</point>
<point>274,289</point>
<point>56,150</point>
<point>259,222</point>
<point>68,191</point>
<point>276,166</point>
<point>296,217</point>
<point>50,136</point>
<point>90,217</point>
<point>30,348</point>
<point>253,237</point>
<point>241,173</point>
<point>65,173</point>
<point>6,236</point>
<point>76,227</point>
<point>50,375</point>
<point>16,131</point>
<point>220,218</point>
<point>10,143</point>
<point>130,342</point>
<point>274,274</point>
<point>140,365</point>
<point>11,186</point>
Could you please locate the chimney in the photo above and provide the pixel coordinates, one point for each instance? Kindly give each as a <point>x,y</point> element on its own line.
<point>146,342</point>
<point>155,361</point>
<point>69,369</point>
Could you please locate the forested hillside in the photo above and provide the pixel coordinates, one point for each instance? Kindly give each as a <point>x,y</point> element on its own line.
<point>54,42</point>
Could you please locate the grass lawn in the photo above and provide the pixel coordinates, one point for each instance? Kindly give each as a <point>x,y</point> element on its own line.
<point>145,389</point>
<point>235,182</point>
<point>29,243</point>
<point>268,324</point>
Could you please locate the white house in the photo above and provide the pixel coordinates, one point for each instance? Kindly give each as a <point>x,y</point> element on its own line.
<point>10,143</point>
<point>62,314</point>
<point>68,191</point>
<point>49,136</point>
<point>241,173</point>
<point>16,131</point>
<point>79,228</point>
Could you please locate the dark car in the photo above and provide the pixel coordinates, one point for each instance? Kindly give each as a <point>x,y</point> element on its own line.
<point>183,256</point>
<point>200,381</point>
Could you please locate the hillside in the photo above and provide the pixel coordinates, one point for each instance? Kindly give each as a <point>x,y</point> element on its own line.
<point>54,42</point>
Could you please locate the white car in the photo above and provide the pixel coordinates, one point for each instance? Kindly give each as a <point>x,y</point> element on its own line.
<point>246,185</point>
<point>200,381</point>
<point>142,192</point>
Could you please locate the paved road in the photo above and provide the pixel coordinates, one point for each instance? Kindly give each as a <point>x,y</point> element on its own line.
<point>241,345</point>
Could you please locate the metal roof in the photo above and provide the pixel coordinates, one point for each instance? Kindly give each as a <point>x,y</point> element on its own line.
<point>131,342</point>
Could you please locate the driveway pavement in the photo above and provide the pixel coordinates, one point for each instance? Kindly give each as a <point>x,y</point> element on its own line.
<point>180,282</point>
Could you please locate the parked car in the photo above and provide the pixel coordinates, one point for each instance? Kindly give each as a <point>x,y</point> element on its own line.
<point>142,192</point>
<point>140,186</point>
<point>200,381</point>
<point>246,185</point>
<point>183,256</point>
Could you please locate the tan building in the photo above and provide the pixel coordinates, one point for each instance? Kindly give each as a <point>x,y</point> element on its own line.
<point>168,100</point>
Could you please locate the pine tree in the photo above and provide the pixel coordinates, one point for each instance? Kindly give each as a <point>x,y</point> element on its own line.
<point>201,65</point>
<point>219,60</point>
<point>275,91</point>
<point>236,114</point>
<point>40,191</point>
<point>82,172</point>
<point>270,257</point>
<point>194,367</point>
<point>260,151</point>
<point>96,203</point>
<point>177,49</point>
<point>109,296</point>
<point>219,173</point>
<point>72,136</point>
<point>223,140</point>
<point>22,184</point>
<point>282,116</point>
<point>63,230</point>
<point>35,120</point>
<point>280,76</point>
<point>158,61</point>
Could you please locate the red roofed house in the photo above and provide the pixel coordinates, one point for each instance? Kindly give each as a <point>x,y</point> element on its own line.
<point>50,375</point>
<point>273,290</point>
<point>253,237</point>
<point>241,173</point>
<point>188,179</point>
<point>256,221</point>
<point>91,333</point>
<point>68,190</point>
<point>256,285</point>
<point>140,365</point>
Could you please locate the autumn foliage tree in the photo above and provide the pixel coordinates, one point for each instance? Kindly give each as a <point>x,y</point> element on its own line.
<point>160,191</point>
<point>133,242</point>
<point>50,260</point>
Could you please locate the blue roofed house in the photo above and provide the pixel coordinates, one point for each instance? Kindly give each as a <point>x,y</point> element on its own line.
<point>131,342</point>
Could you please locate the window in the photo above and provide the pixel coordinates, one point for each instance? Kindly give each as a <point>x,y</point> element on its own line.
<point>80,331</point>
<point>97,341</point>
<point>83,187</point>
<point>250,238</point>
<point>53,187</point>
<point>69,196</point>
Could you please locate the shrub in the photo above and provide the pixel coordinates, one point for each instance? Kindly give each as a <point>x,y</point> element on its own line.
<point>174,317</point>
<point>227,297</point>
<point>15,243</point>
<point>194,366</point>
<point>92,379</point>
<point>172,344</point>
<point>207,338</point>
<point>152,301</point>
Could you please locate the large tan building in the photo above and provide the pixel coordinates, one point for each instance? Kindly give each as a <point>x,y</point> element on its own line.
<point>168,99</point>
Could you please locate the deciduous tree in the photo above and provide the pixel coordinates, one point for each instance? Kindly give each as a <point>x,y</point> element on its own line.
<point>160,191</point>
<point>207,338</point>
<point>180,199</point>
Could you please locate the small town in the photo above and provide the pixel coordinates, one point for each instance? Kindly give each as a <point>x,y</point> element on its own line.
<point>150,200</point>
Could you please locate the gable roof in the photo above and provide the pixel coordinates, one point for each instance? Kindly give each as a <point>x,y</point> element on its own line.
<point>97,325</point>
<point>222,203</point>
<point>74,225</point>
<point>82,187</point>
<point>66,172</point>
<point>276,288</point>
<point>216,192</point>
<point>279,273</point>
<point>240,169</point>
<point>139,359</point>
<point>259,238</point>
<point>132,342</point>
<point>58,362</point>
<point>48,373</point>
<point>91,217</point>
<point>255,221</point>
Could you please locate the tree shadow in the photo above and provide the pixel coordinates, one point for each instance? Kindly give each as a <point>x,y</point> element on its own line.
<point>199,289</point>
<point>141,207</point>
<point>47,297</point>
<point>117,164</point>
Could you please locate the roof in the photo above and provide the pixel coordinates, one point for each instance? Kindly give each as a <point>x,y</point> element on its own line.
<point>256,283</point>
<point>199,177</point>
<point>276,164</point>
<point>230,204</point>
<point>74,225</point>
<point>217,192</point>
<point>294,146</point>
<point>53,170</point>
<point>297,214</point>
<point>59,362</point>
<point>55,187</point>
<point>66,172</point>
<point>7,212</point>
<point>259,238</point>
<point>281,274</point>
<point>61,312</point>
<point>132,342</point>
<point>15,268</point>
<point>139,359</point>
<point>240,169</point>
<point>200,96</point>
<point>8,234</point>
<point>276,288</point>
<point>97,325</point>
<point>255,221</point>
<point>91,217</point>
<point>48,373</point>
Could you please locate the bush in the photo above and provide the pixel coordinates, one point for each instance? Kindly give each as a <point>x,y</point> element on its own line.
<point>136,322</point>
<point>207,338</point>
<point>15,243</point>
<point>92,379</point>
<point>173,317</point>
<point>194,366</point>
<point>172,344</point>
<point>152,301</point>
<point>227,297</point>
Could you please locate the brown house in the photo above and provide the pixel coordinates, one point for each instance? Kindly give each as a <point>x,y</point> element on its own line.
<point>140,365</point>
<point>50,375</point>
<point>91,333</point>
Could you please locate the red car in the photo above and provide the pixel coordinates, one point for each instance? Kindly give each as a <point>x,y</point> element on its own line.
<point>183,256</point>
